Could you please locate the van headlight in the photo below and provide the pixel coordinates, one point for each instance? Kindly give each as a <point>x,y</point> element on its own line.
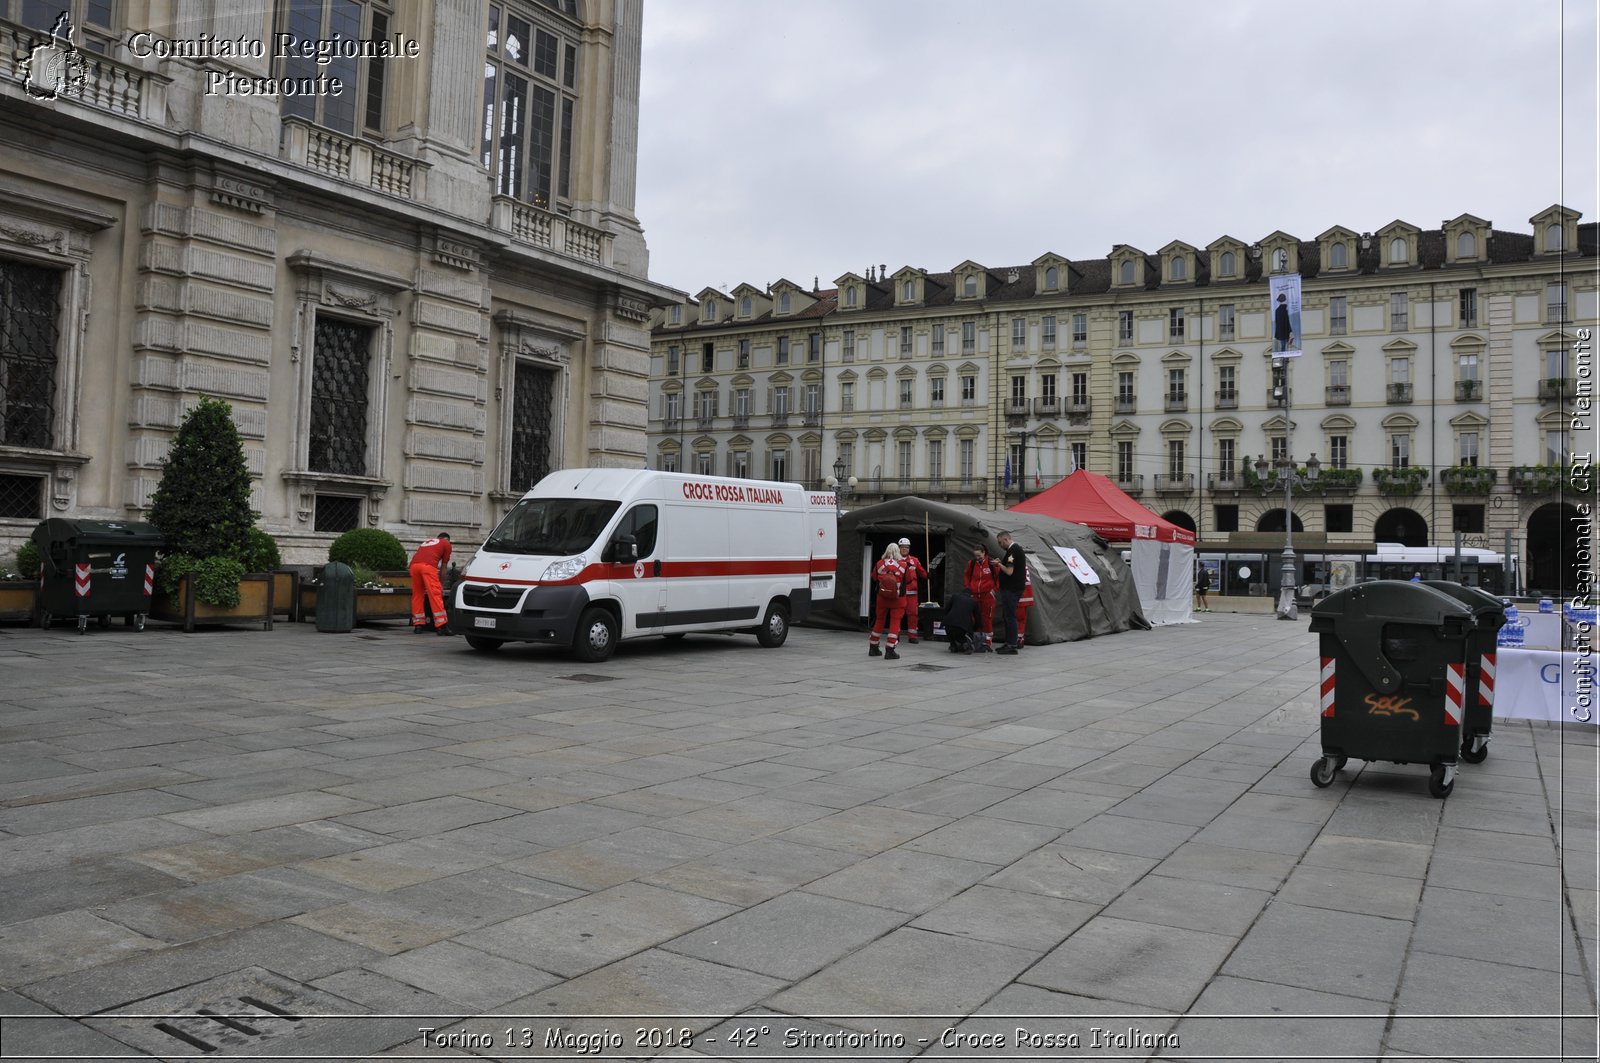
<point>564,569</point>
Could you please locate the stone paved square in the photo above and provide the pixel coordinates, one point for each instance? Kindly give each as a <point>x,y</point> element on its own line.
<point>803,837</point>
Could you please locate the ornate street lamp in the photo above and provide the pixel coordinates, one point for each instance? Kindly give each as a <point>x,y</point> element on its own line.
<point>842,488</point>
<point>1288,477</point>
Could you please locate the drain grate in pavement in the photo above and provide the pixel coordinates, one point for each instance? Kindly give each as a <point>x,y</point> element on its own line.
<point>931,667</point>
<point>587,677</point>
<point>371,638</point>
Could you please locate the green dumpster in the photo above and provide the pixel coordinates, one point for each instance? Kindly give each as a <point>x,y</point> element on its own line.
<point>96,568</point>
<point>1393,678</point>
<point>1489,616</point>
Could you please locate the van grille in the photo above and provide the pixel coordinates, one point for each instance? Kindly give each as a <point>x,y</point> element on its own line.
<point>490,597</point>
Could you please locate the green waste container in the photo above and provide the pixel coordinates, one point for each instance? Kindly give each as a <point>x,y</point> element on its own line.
<point>96,568</point>
<point>1483,640</point>
<point>1393,683</point>
<point>336,598</point>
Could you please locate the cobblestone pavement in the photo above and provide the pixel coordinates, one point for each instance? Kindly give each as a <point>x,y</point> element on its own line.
<point>1106,849</point>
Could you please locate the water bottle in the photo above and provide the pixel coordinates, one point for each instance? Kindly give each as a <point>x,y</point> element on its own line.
<point>1546,605</point>
<point>1512,635</point>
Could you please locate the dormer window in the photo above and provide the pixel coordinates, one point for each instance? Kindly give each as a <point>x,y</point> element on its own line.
<point>1553,237</point>
<point>1179,270</point>
<point>1466,246</point>
<point>969,286</point>
<point>711,309</point>
<point>850,296</point>
<point>675,315</point>
<point>1227,264</point>
<point>1127,272</point>
<point>744,306</point>
<point>909,291</point>
<point>1399,251</point>
<point>783,303</point>
<point>1280,261</point>
<point>1338,256</point>
<point>1052,279</point>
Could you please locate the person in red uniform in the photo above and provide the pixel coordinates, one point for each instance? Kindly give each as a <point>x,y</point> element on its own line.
<point>1022,610</point>
<point>888,576</point>
<point>915,573</point>
<point>426,591</point>
<point>979,580</point>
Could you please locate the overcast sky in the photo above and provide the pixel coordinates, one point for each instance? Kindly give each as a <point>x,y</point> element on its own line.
<point>806,140</point>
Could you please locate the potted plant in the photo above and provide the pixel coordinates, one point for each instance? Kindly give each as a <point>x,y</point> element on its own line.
<point>379,563</point>
<point>1468,479</point>
<point>202,507</point>
<point>1403,480</point>
<point>19,585</point>
<point>1340,481</point>
<point>1539,479</point>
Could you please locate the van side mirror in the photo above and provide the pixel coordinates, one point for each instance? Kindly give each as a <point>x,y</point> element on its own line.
<point>624,548</point>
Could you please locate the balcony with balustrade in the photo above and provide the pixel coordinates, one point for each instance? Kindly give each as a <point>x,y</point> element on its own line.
<point>1469,391</point>
<point>1047,407</point>
<point>970,490</point>
<point>350,159</point>
<point>1132,483</point>
<point>1337,395</point>
<point>1174,484</point>
<point>1227,398</point>
<point>1558,388</point>
<point>1225,483</point>
<point>548,231</point>
<point>1399,394</point>
<point>1177,401</point>
<point>1077,411</point>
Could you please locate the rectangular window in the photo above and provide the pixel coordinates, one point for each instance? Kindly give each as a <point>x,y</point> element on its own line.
<point>813,400</point>
<point>30,333</point>
<point>669,462</point>
<point>741,404</point>
<point>1124,327</point>
<point>528,144</point>
<point>1279,448</point>
<point>847,451</point>
<point>847,396</point>
<point>1227,518</point>
<point>783,350</point>
<point>968,451</point>
<point>336,513</point>
<point>1467,519</point>
<point>1175,324</point>
<point>708,357</point>
<point>1014,461</point>
<point>905,394</point>
<point>744,355</point>
<point>21,498</point>
<point>1338,309</point>
<point>1339,373</point>
<point>1177,394</point>
<point>1225,322</point>
<point>1047,387</point>
<point>1125,388</point>
<point>672,360</point>
<point>1019,390</point>
<point>308,22</point>
<point>780,401</point>
<point>938,339</point>
<point>1080,389</point>
<point>1469,307</point>
<point>780,465</point>
<point>1227,463</point>
<point>1125,460</point>
<point>969,390</point>
<point>1049,331</point>
<point>969,336</point>
<point>1400,370</point>
<point>704,462</point>
<point>340,378</point>
<point>1338,452</point>
<point>739,466</point>
<point>1080,329</point>
<point>1175,459</point>
<point>672,407</point>
<point>1469,448</point>
<point>847,346</point>
<point>1080,455</point>
<point>1339,517</point>
<point>903,456</point>
<point>1398,312</point>
<point>1399,450</point>
<point>533,406</point>
<point>1555,448</point>
<point>1227,384</point>
<point>905,341</point>
<point>936,391</point>
<point>814,347</point>
<point>1556,303</point>
<point>1019,333</point>
<point>1555,363</point>
<point>1467,368</point>
<point>936,460</point>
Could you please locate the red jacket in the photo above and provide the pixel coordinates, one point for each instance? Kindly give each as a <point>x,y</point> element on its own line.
<point>433,553</point>
<point>914,571</point>
<point>979,578</point>
<point>895,570</point>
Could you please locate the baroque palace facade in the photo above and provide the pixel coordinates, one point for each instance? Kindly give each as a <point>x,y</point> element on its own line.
<point>1441,374</point>
<point>419,291</point>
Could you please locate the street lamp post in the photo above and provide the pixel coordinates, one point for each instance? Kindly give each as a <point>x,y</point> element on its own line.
<point>1022,435</point>
<point>1289,478</point>
<point>842,487</point>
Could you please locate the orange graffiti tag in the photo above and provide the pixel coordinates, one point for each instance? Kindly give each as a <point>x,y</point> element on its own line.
<point>1390,705</point>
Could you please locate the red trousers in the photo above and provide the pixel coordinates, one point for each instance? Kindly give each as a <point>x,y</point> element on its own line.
<point>425,587</point>
<point>910,605</point>
<point>891,608</point>
<point>986,615</point>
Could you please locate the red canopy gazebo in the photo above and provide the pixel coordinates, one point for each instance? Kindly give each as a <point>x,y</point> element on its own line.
<point>1091,499</point>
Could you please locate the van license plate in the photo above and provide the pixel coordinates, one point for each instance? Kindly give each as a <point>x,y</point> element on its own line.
<point>483,621</point>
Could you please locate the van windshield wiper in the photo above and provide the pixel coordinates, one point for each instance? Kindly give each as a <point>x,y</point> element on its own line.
<point>506,546</point>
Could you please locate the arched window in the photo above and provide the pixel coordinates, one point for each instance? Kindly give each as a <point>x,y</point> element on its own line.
<point>783,303</point>
<point>711,309</point>
<point>1399,251</point>
<point>1179,270</point>
<point>910,290</point>
<point>1227,265</point>
<point>1466,246</point>
<point>744,306</point>
<point>1127,272</point>
<point>1280,260</point>
<point>850,296</point>
<point>970,285</point>
<point>1338,256</point>
<point>1052,279</point>
<point>1552,237</point>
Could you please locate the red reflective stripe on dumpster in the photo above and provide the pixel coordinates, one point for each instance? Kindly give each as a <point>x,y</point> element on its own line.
<point>1327,686</point>
<point>1455,690</point>
<point>149,579</point>
<point>1486,680</point>
<point>81,581</point>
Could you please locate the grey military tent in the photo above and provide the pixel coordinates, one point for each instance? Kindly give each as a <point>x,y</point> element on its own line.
<point>1064,610</point>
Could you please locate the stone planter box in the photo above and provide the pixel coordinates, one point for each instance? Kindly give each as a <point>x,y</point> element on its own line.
<point>285,593</point>
<point>17,599</point>
<point>255,604</point>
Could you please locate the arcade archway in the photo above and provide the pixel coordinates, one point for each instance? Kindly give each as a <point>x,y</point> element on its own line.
<point>1552,563</point>
<point>1180,518</point>
<point>1272,521</point>
<point>1401,525</point>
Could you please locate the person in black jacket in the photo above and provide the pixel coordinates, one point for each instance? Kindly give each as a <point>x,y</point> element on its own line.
<point>1013,577</point>
<point>1202,584</point>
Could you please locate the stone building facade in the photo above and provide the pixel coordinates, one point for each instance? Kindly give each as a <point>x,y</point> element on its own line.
<point>418,292</point>
<point>1442,371</point>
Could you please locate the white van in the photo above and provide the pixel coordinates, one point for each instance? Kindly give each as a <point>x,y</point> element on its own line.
<point>591,556</point>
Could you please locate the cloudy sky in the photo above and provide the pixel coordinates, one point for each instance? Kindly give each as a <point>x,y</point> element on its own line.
<point>806,140</point>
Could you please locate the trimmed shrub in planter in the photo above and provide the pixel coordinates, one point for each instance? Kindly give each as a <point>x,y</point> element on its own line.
<point>370,548</point>
<point>28,560</point>
<point>1403,481</point>
<point>1468,479</point>
<point>260,552</point>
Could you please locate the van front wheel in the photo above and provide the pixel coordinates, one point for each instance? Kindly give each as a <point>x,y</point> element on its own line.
<point>596,637</point>
<point>774,627</point>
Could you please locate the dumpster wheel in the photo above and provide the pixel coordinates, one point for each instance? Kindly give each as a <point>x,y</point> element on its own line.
<point>45,618</point>
<point>83,623</point>
<point>1475,750</point>
<point>136,621</point>
<point>1325,769</point>
<point>104,620</point>
<point>1441,780</point>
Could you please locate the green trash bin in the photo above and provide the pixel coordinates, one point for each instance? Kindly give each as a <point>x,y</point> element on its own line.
<point>1393,684</point>
<point>96,568</point>
<point>1483,640</point>
<point>336,598</point>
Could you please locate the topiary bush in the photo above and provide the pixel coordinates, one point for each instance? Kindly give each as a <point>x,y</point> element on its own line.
<point>216,579</point>
<point>371,548</point>
<point>202,504</point>
<point>260,552</point>
<point>29,560</point>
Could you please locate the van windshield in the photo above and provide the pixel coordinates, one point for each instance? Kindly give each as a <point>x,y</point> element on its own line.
<point>552,526</point>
